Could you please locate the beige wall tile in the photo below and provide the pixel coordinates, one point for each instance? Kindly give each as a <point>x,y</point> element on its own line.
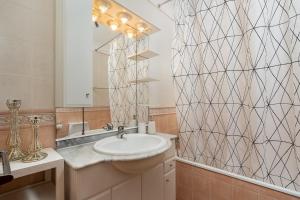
<point>184,175</point>
<point>42,94</point>
<point>27,53</point>
<point>47,137</point>
<point>221,189</point>
<point>43,61</point>
<point>36,6</point>
<point>15,57</point>
<point>97,117</point>
<point>245,194</point>
<point>208,185</point>
<point>165,120</point>
<point>265,192</point>
<point>15,21</point>
<point>15,87</point>
<point>265,197</point>
<point>200,185</point>
<point>184,193</point>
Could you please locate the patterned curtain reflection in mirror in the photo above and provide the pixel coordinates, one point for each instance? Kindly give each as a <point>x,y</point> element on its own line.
<point>122,74</point>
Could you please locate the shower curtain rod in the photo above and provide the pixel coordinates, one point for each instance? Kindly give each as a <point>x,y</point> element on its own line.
<point>107,42</point>
<point>163,3</point>
<point>158,7</point>
<point>103,53</point>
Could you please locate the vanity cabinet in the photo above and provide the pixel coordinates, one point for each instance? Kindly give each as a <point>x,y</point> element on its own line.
<point>169,179</point>
<point>102,181</point>
<point>153,184</point>
<point>170,185</point>
<point>102,196</point>
<point>74,59</point>
<point>128,190</point>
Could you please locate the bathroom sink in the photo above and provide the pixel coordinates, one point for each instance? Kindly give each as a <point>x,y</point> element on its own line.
<point>134,153</point>
<point>131,144</point>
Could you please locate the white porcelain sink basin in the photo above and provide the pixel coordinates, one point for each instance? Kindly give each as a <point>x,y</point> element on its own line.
<point>131,144</point>
<point>134,153</point>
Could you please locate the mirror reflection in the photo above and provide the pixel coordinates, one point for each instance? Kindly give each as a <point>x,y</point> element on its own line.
<point>120,76</point>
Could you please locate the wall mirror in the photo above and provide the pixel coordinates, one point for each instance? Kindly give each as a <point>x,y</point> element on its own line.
<point>116,90</point>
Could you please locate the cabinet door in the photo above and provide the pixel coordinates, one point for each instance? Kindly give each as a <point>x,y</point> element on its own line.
<point>152,182</point>
<point>129,190</point>
<point>170,185</point>
<point>102,196</point>
<point>74,64</point>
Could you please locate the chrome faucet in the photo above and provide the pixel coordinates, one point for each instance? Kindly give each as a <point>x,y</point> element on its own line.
<point>121,132</point>
<point>108,127</point>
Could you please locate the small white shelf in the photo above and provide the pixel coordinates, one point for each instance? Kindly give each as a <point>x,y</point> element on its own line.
<point>144,55</point>
<point>52,161</point>
<point>143,80</point>
<point>45,191</point>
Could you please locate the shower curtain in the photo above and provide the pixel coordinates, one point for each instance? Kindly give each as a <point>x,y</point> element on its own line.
<point>123,94</point>
<point>237,78</point>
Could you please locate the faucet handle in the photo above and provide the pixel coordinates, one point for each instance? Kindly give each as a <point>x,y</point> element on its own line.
<point>120,128</point>
<point>110,126</point>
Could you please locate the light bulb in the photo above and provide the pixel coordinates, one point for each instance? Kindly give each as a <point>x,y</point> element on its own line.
<point>124,17</point>
<point>113,25</point>
<point>141,27</point>
<point>103,9</point>
<point>124,20</point>
<point>104,6</point>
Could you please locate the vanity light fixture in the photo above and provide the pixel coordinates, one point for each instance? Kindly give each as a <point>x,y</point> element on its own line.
<point>119,18</point>
<point>113,25</point>
<point>141,27</point>
<point>104,6</point>
<point>124,17</point>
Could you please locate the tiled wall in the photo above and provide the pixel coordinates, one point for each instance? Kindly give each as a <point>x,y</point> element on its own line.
<point>27,70</point>
<point>27,64</point>
<point>165,119</point>
<point>47,130</point>
<point>27,53</point>
<point>194,183</point>
<point>97,117</point>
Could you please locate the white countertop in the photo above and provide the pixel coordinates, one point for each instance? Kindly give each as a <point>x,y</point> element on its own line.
<point>84,155</point>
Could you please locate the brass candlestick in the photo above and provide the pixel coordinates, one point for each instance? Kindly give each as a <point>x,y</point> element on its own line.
<point>35,153</point>
<point>14,140</point>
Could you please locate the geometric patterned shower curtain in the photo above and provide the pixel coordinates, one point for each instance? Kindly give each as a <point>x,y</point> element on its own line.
<point>237,77</point>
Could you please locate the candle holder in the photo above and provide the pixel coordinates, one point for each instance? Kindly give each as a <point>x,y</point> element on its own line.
<point>14,140</point>
<point>35,153</point>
